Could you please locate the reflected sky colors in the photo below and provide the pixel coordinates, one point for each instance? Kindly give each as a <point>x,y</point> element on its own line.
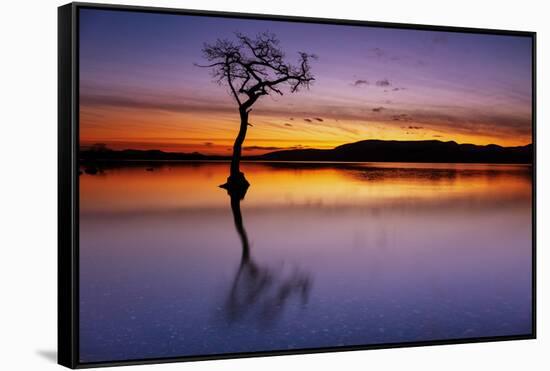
<point>139,87</point>
<point>337,255</point>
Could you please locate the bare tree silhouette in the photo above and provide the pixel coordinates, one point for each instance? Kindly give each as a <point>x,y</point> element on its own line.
<point>252,68</point>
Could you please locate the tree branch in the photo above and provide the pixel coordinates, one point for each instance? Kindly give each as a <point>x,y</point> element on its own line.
<point>255,67</point>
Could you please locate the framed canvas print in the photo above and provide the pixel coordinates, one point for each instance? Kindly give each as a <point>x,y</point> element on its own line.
<point>235,185</point>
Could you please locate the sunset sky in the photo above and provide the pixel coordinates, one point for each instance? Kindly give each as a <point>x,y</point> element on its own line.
<point>140,88</point>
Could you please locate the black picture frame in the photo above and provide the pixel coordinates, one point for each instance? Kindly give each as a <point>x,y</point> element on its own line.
<point>68,181</point>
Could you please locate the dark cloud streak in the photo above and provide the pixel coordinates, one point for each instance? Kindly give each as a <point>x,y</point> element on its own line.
<point>360,83</point>
<point>150,104</point>
<point>383,83</point>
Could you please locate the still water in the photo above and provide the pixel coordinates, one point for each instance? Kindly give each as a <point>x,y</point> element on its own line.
<point>315,255</point>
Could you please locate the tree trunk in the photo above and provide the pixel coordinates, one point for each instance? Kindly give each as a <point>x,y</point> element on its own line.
<point>236,177</point>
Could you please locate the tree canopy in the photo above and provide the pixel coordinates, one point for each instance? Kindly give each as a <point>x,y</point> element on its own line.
<point>255,67</point>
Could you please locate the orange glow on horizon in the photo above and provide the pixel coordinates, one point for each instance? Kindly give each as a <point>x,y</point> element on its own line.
<point>214,133</point>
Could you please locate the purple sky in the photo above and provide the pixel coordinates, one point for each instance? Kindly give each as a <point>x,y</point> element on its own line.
<point>138,76</point>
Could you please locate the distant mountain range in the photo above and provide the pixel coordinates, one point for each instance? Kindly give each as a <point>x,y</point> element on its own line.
<point>144,155</point>
<point>409,151</point>
<point>362,151</point>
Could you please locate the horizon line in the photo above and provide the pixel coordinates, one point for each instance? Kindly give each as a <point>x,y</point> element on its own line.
<point>276,149</point>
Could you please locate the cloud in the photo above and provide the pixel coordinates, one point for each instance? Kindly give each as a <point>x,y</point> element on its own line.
<point>455,118</point>
<point>401,117</point>
<point>287,124</point>
<point>185,105</point>
<point>318,119</point>
<point>376,52</point>
<point>360,83</point>
<point>208,144</point>
<point>463,120</point>
<point>383,83</point>
<point>348,129</point>
<point>385,56</point>
<point>377,109</point>
<point>437,136</point>
<point>397,89</point>
<point>416,127</point>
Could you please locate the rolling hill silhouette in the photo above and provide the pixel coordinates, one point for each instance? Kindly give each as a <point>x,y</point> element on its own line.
<point>408,151</point>
<point>362,151</point>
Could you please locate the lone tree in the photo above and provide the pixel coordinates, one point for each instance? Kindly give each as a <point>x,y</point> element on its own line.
<point>252,68</point>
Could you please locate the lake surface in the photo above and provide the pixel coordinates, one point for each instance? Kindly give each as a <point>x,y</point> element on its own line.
<point>315,255</point>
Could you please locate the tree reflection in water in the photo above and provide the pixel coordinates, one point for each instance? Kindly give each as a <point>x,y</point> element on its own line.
<point>257,289</point>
